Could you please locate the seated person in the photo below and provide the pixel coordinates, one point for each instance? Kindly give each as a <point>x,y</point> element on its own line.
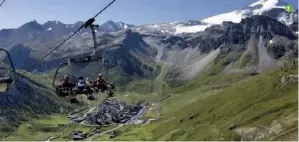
<point>83,87</point>
<point>81,84</point>
<point>66,82</point>
<point>89,83</point>
<point>103,85</point>
<point>66,85</point>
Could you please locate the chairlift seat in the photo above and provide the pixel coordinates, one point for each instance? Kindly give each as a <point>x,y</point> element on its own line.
<point>62,91</point>
<point>7,80</point>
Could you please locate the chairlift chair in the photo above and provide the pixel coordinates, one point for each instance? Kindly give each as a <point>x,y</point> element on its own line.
<point>81,59</point>
<point>8,80</point>
<point>75,60</point>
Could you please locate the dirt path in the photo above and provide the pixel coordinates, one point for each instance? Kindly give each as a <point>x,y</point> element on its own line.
<point>60,134</point>
<point>105,132</point>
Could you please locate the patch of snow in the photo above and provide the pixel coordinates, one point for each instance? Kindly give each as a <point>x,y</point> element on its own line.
<point>191,29</point>
<point>154,26</point>
<point>266,5</point>
<point>125,26</point>
<point>258,3</point>
<point>85,33</point>
<point>49,29</point>
<point>237,15</point>
<point>233,16</point>
<point>288,19</point>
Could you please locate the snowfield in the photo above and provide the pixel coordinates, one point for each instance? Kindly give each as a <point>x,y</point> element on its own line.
<point>191,29</point>
<point>236,16</point>
<point>193,26</point>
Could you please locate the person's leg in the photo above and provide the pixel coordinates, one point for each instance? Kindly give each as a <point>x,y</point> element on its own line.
<point>102,87</point>
<point>109,89</point>
<point>73,96</point>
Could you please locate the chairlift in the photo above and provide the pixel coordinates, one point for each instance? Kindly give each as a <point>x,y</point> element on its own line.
<point>7,80</point>
<point>76,60</point>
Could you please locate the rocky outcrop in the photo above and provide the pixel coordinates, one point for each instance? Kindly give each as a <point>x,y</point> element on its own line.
<point>78,135</point>
<point>266,26</point>
<point>290,79</point>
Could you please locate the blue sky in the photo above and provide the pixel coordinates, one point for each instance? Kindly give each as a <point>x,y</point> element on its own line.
<point>17,12</point>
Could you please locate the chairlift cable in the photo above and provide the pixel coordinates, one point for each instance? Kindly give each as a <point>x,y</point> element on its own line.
<point>2,3</point>
<point>86,24</point>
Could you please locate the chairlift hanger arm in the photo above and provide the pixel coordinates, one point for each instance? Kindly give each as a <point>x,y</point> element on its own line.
<point>92,27</point>
<point>10,61</point>
<point>57,69</point>
<point>85,59</point>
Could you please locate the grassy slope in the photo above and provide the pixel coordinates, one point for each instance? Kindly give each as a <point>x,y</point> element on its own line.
<point>46,127</point>
<point>201,110</point>
<point>206,114</point>
<point>38,83</point>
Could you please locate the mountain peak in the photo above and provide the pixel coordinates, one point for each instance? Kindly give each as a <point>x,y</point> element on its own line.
<point>34,22</point>
<point>257,8</point>
<point>31,25</point>
<point>269,3</point>
<point>54,22</point>
<point>112,26</point>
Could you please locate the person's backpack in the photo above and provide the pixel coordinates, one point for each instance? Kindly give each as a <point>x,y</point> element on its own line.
<point>81,83</point>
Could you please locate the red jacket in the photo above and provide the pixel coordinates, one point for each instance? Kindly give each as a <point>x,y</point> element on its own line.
<point>66,84</point>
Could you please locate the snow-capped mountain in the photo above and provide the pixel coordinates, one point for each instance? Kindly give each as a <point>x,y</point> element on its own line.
<point>52,31</point>
<point>111,26</point>
<point>271,8</point>
<point>177,27</point>
<point>257,8</point>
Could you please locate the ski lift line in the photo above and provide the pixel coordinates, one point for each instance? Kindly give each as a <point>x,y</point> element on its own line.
<point>104,9</point>
<point>85,25</point>
<point>2,3</point>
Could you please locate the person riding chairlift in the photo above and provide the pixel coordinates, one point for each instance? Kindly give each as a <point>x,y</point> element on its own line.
<point>103,85</point>
<point>67,86</point>
<point>66,82</point>
<point>82,87</point>
<point>89,84</point>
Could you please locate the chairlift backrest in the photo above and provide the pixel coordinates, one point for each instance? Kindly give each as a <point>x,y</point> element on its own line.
<point>75,60</point>
<point>84,59</point>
